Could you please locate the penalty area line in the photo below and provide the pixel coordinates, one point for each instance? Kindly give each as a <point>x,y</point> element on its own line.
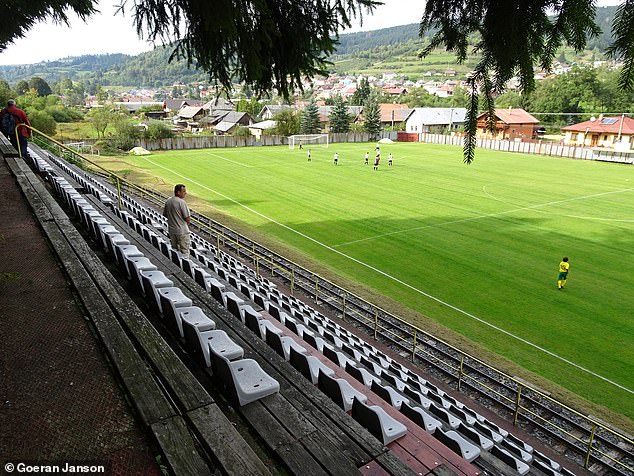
<point>232,161</point>
<point>389,276</point>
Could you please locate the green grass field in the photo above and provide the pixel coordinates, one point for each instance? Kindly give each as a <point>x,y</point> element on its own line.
<point>485,239</point>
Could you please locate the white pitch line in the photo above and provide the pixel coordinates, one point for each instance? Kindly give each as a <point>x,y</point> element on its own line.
<point>580,217</point>
<point>409,286</point>
<point>229,160</point>
<point>479,217</point>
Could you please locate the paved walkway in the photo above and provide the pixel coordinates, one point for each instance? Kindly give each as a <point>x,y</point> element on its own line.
<point>59,401</point>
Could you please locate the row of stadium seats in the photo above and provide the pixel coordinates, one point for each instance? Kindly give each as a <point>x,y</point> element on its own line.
<point>268,312</point>
<point>243,378</point>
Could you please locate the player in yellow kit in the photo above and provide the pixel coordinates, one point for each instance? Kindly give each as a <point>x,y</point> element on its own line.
<point>564,266</point>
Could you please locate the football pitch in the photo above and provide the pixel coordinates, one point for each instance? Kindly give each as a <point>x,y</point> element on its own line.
<point>474,248</point>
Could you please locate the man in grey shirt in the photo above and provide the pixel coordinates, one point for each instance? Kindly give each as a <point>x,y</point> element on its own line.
<point>178,216</point>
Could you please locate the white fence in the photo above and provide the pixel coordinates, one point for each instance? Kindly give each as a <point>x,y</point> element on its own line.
<point>553,149</point>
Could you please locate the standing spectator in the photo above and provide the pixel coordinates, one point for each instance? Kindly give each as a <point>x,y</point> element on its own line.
<point>178,217</point>
<point>10,118</point>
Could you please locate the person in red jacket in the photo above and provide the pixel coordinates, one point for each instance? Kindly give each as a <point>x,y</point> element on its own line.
<point>19,117</point>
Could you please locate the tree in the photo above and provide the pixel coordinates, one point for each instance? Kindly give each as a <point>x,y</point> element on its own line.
<point>252,106</point>
<point>372,117</point>
<point>513,36</point>
<point>100,118</point>
<point>362,93</point>
<point>269,45</point>
<point>40,86</point>
<point>310,123</point>
<point>5,93</point>
<point>24,15</point>
<point>21,88</point>
<point>287,122</point>
<point>339,117</point>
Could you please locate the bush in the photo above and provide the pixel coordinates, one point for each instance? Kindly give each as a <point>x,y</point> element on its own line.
<point>63,114</point>
<point>43,122</point>
<point>126,136</point>
<point>158,130</point>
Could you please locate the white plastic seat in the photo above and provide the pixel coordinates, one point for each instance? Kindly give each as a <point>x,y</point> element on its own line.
<point>377,421</point>
<point>121,251</point>
<point>171,299</point>
<point>475,436</point>
<point>244,379</point>
<point>220,343</point>
<point>389,394</point>
<point>283,344</point>
<point>502,454</point>
<point>340,391</point>
<point>152,282</point>
<point>419,416</point>
<point>458,444</point>
<point>308,365</point>
<point>191,320</point>
<point>135,265</point>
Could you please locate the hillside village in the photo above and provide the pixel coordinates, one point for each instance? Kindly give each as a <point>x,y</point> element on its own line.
<point>213,114</point>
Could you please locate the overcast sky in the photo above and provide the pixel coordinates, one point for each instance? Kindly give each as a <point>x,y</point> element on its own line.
<point>107,33</point>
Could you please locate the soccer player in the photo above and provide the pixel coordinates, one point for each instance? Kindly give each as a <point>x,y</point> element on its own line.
<point>301,146</point>
<point>309,159</point>
<point>389,160</point>
<point>367,156</point>
<point>564,266</point>
<point>336,159</point>
<point>376,160</point>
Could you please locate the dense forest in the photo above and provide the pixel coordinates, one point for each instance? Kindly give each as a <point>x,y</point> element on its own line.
<point>370,52</point>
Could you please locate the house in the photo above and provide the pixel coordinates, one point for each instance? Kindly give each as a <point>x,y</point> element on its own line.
<point>133,107</point>
<point>258,128</point>
<point>270,110</point>
<point>218,104</point>
<point>231,120</point>
<point>435,120</point>
<point>393,114</point>
<point>610,131</point>
<point>510,124</point>
<point>172,105</point>
<point>324,115</point>
<point>445,91</point>
<point>394,90</point>
<point>191,113</point>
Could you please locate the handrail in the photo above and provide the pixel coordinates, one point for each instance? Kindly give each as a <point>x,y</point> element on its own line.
<point>417,345</point>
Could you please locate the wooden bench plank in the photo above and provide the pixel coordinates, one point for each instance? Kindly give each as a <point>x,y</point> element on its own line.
<point>223,441</point>
<point>178,447</point>
<point>332,458</point>
<point>147,396</point>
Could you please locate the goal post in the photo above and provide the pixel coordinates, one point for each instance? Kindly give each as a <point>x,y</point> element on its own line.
<point>307,140</point>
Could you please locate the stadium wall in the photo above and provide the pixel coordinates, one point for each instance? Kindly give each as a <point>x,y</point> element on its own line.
<point>210,142</point>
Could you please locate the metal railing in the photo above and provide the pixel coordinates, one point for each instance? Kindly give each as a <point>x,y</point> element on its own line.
<point>419,344</point>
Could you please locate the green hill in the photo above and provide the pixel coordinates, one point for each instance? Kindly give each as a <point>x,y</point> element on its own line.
<point>370,52</point>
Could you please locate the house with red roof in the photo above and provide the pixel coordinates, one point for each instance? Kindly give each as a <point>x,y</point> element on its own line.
<point>510,124</point>
<point>610,131</point>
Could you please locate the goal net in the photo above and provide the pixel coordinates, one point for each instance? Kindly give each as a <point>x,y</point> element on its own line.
<point>307,140</point>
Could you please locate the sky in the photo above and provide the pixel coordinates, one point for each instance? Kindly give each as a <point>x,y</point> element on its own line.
<point>109,33</point>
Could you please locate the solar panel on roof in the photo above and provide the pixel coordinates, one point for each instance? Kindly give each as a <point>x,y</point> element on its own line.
<point>609,121</point>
